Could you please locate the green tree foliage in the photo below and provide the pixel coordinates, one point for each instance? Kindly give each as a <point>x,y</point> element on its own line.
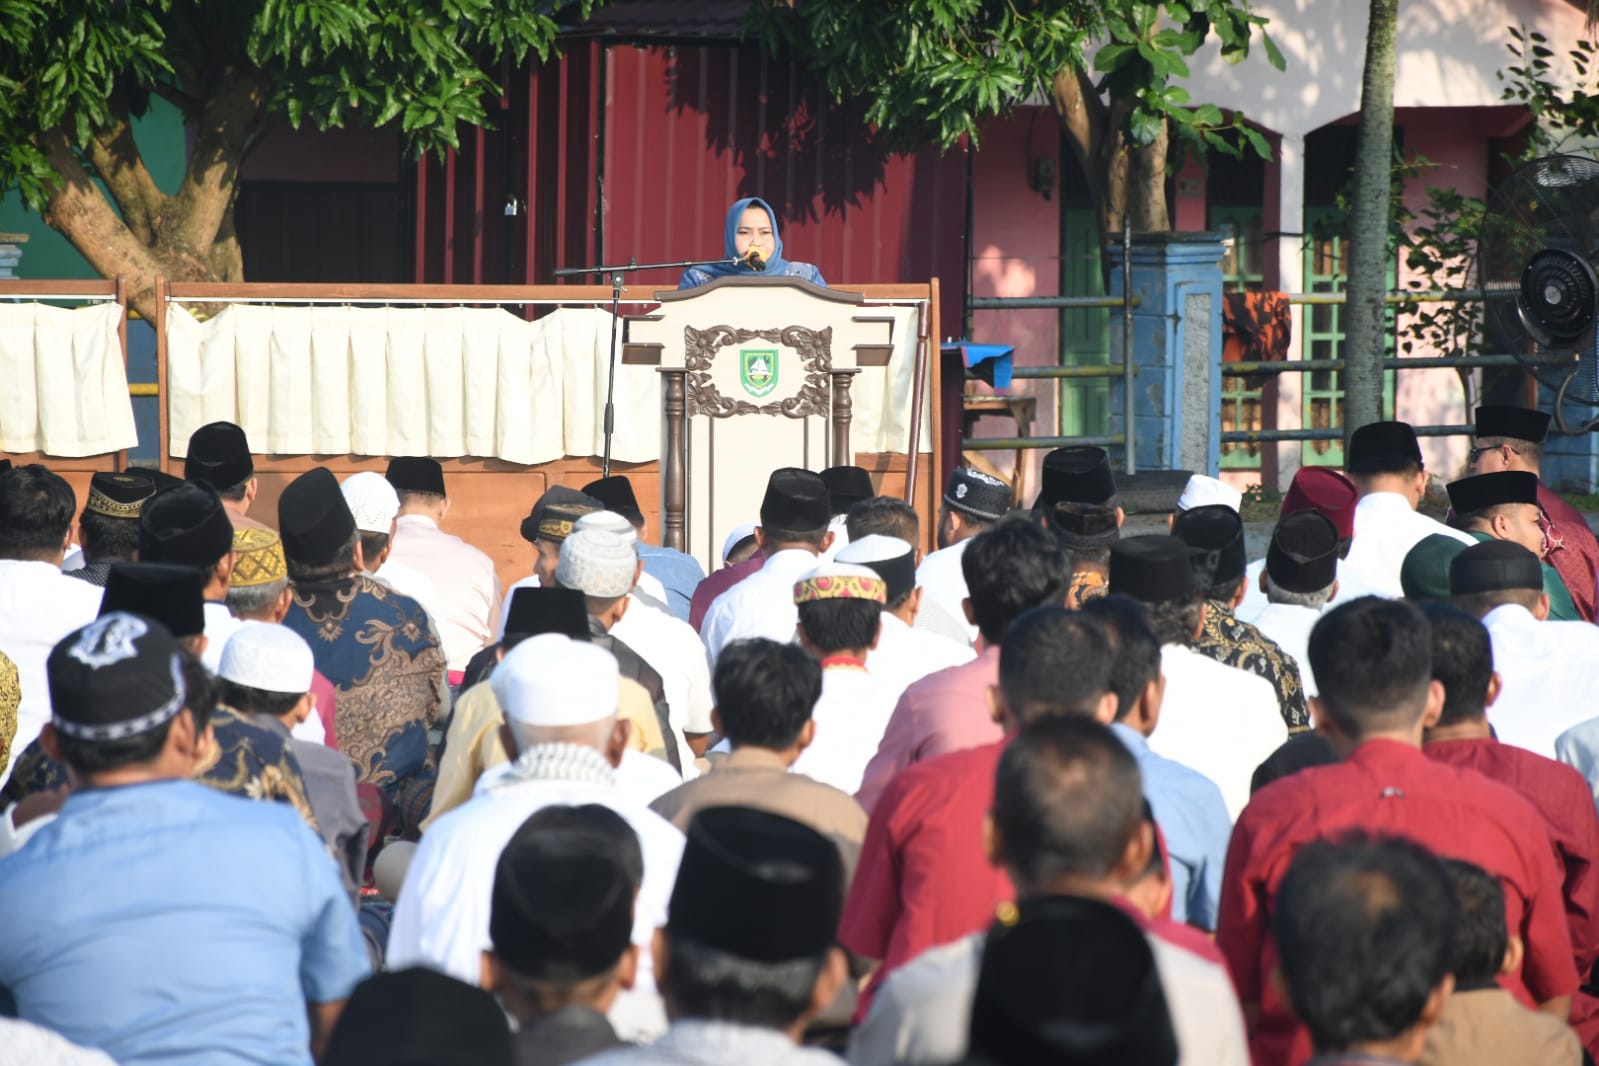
<point>932,71</point>
<point>74,74</point>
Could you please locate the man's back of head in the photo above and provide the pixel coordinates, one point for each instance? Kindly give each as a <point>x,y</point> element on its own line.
<point>883,516</point>
<point>1494,574</point>
<point>765,692</point>
<point>561,921</point>
<point>1012,566</point>
<point>794,511</point>
<point>1373,660</point>
<point>1135,649</point>
<point>1365,933</point>
<point>1158,571</point>
<point>36,511</point>
<point>1462,662</point>
<point>1385,457</point>
<point>1068,804</point>
<point>753,919</point>
<point>1055,662</point>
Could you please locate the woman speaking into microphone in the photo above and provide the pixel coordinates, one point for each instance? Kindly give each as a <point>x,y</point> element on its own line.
<point>752,247</point>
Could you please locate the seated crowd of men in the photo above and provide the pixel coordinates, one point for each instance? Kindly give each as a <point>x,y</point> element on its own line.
<point>319,790</point>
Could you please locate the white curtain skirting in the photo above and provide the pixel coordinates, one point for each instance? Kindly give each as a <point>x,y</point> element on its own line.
<point>65,388</point>
<point>447,382</point>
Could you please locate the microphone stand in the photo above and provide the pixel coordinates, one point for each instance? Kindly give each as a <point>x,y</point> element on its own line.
<point>615,272</point>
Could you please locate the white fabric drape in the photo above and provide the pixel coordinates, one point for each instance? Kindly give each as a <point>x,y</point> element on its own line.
<point>440,381</point>
<point>882,395</point>
<point>451,381</point>
<point>65,388</point>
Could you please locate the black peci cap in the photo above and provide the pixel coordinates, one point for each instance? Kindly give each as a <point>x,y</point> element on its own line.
<point>119,676</point>
<point>219,455</point>
<point>615,493</point>
<point>1383,448</point>
<point>1154,568</point>
<point>1079,474</point>
<point>1512,423</point>
<point>1482,491</point>
<point>1214,534</point>
<point>186,525</point>
<point>757,886</point>
<point>1303,556</point>
<point>415,473</point>
<point>172,595</point>
<point>795,500</point>
<point>314,519</point>
<point>979,495</point>
<point>847,486</point>
<point>535,611</point>
<point>1494,566</point>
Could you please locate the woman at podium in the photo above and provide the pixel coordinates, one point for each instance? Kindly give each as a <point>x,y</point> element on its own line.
<point>752,247</point>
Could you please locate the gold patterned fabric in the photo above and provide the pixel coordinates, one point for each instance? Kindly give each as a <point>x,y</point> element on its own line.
<point>1086,585</point>
<point>840,587</point>
<point>10,698</point>
<point>259,557</point>
<point>1236,643</point>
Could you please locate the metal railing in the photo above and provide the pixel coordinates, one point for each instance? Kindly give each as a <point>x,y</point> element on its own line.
<point>1227,370</point>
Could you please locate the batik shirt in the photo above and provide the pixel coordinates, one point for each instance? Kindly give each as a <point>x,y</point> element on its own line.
<point>1239,644</point>
<point>10,700</point>
<point>245,759</point>
<point>387,671</point>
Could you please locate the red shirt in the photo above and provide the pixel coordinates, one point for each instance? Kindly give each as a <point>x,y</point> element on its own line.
<point>923,879</point>
<point>706,591</point>
<point>1390,788</point>
<point>1573,551</point>
<point>1560,795</point>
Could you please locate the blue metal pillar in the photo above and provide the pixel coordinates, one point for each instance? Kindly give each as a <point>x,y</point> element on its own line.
<point>1176,343</point>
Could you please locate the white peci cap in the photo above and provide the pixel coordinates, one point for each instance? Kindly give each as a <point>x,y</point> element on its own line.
<point>553,680</point>
<point>1203,491</point>
<point>372,500</point>
<point>267,656</point>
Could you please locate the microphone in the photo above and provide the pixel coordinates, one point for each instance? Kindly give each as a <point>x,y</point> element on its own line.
<point>753,260</point>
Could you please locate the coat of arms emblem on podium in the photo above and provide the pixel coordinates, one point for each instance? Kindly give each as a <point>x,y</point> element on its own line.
<point>757,370</point>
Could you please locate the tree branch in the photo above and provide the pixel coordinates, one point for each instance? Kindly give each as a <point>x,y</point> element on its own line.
<point>116,159</point>
<point>224,129</point>
<point>78,211</point>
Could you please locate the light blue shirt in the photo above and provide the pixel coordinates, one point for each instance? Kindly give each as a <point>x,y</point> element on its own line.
<point>1192,817</point>
<point>169,923</point>
<point>700,1042</point>
<point>678,573</point>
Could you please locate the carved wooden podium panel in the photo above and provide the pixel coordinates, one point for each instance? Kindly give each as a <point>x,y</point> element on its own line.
<point>755,376</point>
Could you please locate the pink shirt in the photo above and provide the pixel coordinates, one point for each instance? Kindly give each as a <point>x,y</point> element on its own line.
<point>950,710</point>
<point>322,689</point>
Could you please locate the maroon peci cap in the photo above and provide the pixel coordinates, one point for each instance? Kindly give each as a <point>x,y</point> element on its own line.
<point>1316,488</point>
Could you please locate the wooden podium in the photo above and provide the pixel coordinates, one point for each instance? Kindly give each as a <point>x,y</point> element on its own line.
<point>755,375</point>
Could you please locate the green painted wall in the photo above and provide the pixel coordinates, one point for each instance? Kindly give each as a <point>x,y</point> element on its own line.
<point>48,254</point>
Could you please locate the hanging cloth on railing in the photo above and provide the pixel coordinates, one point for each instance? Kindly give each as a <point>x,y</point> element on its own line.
<point>65,388</point>
<point>1257,327</point>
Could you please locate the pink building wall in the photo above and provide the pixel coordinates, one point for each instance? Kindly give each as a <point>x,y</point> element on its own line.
<point>1015,245</point>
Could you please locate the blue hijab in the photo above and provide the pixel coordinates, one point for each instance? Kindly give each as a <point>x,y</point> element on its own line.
<point>776,265</point>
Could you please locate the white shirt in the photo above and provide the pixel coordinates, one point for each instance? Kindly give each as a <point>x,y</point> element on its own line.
<point>906,654</point>
<point>762,605</point>
<point>1386,528</point>
<point>1548,677</point>
<point>38,606</point>
<point>1218,720</point>
<point>466,589</point>
<point>220,625</point>
<point>441,919</point>
<point>944,583</point>
<point>674,650</point>
<point>850,718</point>
<point>1290,627</point>
<point>920,1016</point>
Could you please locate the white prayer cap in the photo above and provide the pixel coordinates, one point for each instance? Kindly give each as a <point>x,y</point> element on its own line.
<point>1202,491</point>
<point>372,500</point>
<point>597,563</point>
<point>269,657</point>
<point>553,680</point>
<point>610,522</point>
<point>740,531</point>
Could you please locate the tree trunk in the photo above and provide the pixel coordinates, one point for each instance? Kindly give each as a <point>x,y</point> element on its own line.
<point>1364,321</point>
